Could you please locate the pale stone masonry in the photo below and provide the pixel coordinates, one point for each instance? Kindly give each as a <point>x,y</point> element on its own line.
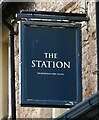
<point>89,52</point>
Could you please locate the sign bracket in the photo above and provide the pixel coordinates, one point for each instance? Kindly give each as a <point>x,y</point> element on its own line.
<point>46,15</point>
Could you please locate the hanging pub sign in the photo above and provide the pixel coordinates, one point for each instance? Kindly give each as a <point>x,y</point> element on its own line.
<point>50,64</point>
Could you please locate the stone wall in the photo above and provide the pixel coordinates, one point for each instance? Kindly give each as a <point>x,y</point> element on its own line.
<point>89,55</point>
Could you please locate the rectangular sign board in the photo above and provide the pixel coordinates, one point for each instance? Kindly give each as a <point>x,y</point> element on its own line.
<point>50,64</point>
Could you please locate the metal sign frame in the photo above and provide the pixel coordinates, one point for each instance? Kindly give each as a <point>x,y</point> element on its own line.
<point>24,101</point>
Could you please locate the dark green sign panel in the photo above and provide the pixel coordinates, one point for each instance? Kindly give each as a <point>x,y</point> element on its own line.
<point>50,64</point>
